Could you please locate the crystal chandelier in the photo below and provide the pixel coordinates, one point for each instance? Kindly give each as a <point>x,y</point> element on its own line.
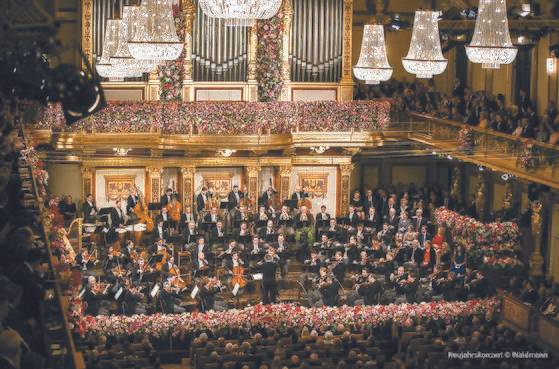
<point>155,37</point>
<point>104,65</point>
<point>425,57</point>
<point>242,13</point>
<point>373,66</point>
<point>491,45</point>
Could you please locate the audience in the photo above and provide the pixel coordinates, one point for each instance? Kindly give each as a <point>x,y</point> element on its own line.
<point>476,108</point>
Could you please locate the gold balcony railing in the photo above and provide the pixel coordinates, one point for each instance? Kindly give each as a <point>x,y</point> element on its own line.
<point>525,158</point>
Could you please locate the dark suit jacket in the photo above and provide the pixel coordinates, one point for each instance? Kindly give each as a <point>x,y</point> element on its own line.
<point>200,202</point>
<point>165,200</point>
<point>131,203</point>
<point>422,222</point>
<point>116,219</point>
<point>86,209</point>
<point>233,199</point>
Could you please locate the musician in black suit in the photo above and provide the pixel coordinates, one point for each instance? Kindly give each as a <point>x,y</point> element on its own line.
<point>299,194</point>
<point>170,301</point>
<point>117,214</point>
<point>67,207</point>
<point>369,201</point>
<point>132,200</point>
<point>269,284</point>
<point>423,235</point>
<point>168,269</point>
<point>372,219</point>
<point>160,231</point>
<point>186,217</point>
<point>217,233</point>
<point>202,198</point>
<point>328,288</point>
<point>89,209</point>
<point>166,198</point>
<point>212,216</point>
<point>391,218</point>
<point>268,197</point>
<point>234,197</point>
<point>190,233</point>
<point>268,232</point>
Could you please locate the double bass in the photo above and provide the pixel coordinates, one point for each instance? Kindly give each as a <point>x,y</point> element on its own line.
<point>141,211</point>
<point>174,208</point>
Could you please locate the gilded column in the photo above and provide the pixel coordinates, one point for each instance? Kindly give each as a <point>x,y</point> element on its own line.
<point>88,182</point>
<point>285,178</point>
<point>456,185</point>
<point>251,78</point>
<point>153,85</point>
<point>87,31</point>
<point>253,173</point>
<point>187,190</point>
<point>153,184</point>
<point>189,11</point>
<point>344,195</point>
<point>346,83</point>
<point>536,259</point>
<point>285,65</point>
<point>480,197</point>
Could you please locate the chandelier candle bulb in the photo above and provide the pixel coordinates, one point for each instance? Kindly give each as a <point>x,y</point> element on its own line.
<point>491,45</point>
<point>105,65</point>
<point>372,66</point>
<point>155,37</point>
<point>425,57</point>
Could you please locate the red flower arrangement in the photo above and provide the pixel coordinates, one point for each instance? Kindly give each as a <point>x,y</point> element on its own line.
<point>226,118</point>
<point>278,316</point>
<point>268,58</point>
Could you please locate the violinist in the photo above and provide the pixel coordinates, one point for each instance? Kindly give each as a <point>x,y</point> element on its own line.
<point>94,295</point>
<point>282,247</point>
<point>170,300</point>
<point>338,267</point>
<point>129,254</point>
<point>334,231</point>
<point>369,290</point>
<point>201,246</point>
<point>243,232</point>
<point>132,299</point>
<point>372,221</point>
<point>85,260</point>
<point>409,287</point>
<point>353,218</point>
<point>351,251</point>
<point>262,214</point>
<point>89,209</point>
<point>142,270</point>
<point>201,264</point>
<point>312,267</point>
<point>112,260</point>
<point>363,236</point>
<point>208,290</point>
<point>327,288</point>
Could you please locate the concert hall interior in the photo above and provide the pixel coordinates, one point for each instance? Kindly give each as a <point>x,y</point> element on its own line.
<point>269,184</point>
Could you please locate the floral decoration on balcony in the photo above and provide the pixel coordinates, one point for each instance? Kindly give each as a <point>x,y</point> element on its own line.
<point>528,158</point>
<point>466,140</point>
<point>170,73</point>
<point>278,316</point>
<point>226,118</point>
<point>268,58</point>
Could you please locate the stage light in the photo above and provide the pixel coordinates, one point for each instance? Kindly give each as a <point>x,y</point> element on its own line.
<point>505,177</point>
<point>481,169</point>
<point>121,151</point>
<point>550,65</point>
<point>226,152</point>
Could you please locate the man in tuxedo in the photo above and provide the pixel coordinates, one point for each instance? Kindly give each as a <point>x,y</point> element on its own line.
<point>212,216</point>
<point>190,234</point>
<point>368,201</point>
<point>269,283</point>
<point>186,218</point>
<point>89,209</point>
<point>268,196</point>
<point>269,231</point>
<point>202,199</point>
<point>217,234</point>
<point>353,217</point>
<point>418,220</point>
<point>161,231</point>
<point>132,200</point>
<point>391,218</point>
<point>118,217</point>
<point>299,194</point>
<point>166,198</point>
<point>170,301</point>
<point>234,197</point>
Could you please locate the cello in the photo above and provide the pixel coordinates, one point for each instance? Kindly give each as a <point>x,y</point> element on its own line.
<point>174,208</point>
<point>141,211</point>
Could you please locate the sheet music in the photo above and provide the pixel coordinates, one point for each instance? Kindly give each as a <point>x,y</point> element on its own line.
<point>257,276</point>
<point>194,292</point>
<point>154,290</point>
<point>236,289</point>
<point>118,293</point>
<point>81,293</point>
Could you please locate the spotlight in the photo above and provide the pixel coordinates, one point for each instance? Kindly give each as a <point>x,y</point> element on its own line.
<point>481,169</point>
<point>434,153</point>
<point>505,177</point>
<point>397,24</point>
<point>449,157</point>
<point>470,13</point>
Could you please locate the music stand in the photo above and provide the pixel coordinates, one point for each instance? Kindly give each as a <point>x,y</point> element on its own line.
<point>154,206</point>
<point>343,221</point>
<point>208,225</point>
<point>262,223</point>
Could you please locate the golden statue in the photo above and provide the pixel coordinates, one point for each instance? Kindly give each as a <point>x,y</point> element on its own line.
<point>480,198</point>
<point>456,186</point>
<point>507,196</point>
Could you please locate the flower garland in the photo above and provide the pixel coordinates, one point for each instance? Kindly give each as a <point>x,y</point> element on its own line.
<point>170,73</point>
<point>466,140</point>
<point>473,231</point>
<point>528,158</point>
<point>268,58</point>
<point>278,316</point>
<point>31,159</point>
<point>226,118</point>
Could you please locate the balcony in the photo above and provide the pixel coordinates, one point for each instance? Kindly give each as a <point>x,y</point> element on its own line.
<point>525,158</point>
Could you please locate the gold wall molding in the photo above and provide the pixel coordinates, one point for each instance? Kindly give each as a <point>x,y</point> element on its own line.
<point>153,183</point>
<point>187,186</point>
<point>189,10</point>
<point>536,259</point>
<point>87,31</point>
<point>253,174</point>
<point>285,181</point>
<point>118,186</point>
<point>88,181</point>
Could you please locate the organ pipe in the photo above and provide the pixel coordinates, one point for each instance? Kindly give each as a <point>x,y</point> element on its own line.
<point>315,52</point>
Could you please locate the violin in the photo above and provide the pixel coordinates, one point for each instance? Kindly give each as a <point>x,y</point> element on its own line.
<point>100,288</point>
<point>119,271</point>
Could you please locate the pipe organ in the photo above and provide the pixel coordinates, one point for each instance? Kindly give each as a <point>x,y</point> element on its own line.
<point>219,53</point>
<point>315,48</point>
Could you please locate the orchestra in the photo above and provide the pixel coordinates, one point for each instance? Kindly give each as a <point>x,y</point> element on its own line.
<point>230,248</point>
